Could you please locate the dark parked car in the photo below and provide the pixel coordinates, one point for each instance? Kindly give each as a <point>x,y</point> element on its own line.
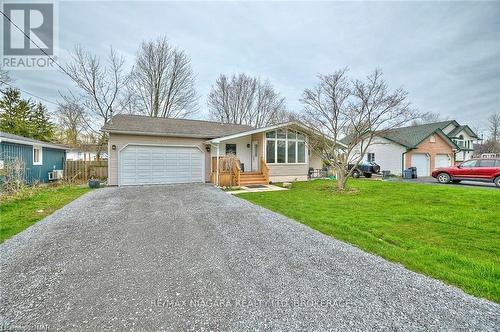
<point>365,168</point>
<point>484,170</point>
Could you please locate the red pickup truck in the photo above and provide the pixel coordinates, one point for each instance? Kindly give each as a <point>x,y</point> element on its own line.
<point>484,170</point>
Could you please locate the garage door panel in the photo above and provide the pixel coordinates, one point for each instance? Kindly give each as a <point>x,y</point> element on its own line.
<point>421,162</point>
<point>160,165</point>
<point>442,160</point>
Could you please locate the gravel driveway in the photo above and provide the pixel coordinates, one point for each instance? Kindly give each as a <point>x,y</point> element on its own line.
<point>190,257</point>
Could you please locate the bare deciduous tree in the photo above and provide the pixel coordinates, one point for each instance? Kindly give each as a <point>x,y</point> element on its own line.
<point>72,121</point>
<point>102,86</point>
<point>428,117</point>
<point>494,126</point>
<point>492,143</point>
<point>356,110</point>
<point>242,99</point>
<point>162,81</point>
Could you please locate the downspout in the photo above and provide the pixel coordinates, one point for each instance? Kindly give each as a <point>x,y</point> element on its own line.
<point>211,163</point>
<point>217,173</point>
<point>403,162</point>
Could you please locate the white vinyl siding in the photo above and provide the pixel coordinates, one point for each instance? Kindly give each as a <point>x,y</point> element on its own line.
<point>146,164</point>
<point>388,155</point>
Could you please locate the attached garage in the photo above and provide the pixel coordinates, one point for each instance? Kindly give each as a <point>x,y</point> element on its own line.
<point>421,162</point>
<point>152,164</point>
<point>442,160</point>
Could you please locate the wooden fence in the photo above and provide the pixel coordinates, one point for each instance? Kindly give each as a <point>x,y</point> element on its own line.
<point>229,171</point>
<point>80,170</point>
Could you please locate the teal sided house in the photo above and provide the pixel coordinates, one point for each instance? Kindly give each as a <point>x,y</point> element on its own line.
<point>38,158</point>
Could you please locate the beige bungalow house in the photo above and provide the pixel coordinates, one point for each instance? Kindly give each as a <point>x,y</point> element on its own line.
<point>144,150</point>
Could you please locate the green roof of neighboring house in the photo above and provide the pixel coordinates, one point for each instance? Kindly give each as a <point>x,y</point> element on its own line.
<point>412,136</point>
<point>454,133</point>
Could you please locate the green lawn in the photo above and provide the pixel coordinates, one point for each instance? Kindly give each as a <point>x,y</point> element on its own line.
<point>449,233</point>
<point>18,213</point>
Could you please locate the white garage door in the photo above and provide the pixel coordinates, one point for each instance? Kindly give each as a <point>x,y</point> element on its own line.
<point>421,162</point>
<point>160,165</point>
<point>442,160</point>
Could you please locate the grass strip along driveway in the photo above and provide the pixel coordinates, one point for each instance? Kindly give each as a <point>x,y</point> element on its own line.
<point>452,234</point>
<point>18,213</point>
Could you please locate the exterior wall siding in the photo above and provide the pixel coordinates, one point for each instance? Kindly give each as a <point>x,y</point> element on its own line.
<point>315,160</point>
<point>440,146</point>
<point>121,140</point>
<point>51,159</point>
<point>449,128</point>
<point>388,155</point>
<point>288,172</point>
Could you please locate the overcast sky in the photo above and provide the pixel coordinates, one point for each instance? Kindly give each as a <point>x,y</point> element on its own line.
<point>446,54</point>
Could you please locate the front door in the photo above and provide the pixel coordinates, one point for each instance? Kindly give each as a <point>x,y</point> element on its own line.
<point>255,156</point>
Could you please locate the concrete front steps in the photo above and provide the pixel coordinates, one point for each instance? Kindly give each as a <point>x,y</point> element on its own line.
<point>248,178</point>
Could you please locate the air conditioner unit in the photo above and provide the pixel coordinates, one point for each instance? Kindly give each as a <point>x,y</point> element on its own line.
<point>56,174</point>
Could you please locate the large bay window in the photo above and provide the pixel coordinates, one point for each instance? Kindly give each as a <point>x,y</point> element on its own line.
<point>285,147</point>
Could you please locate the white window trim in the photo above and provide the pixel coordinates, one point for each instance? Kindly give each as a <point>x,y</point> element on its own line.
<point>40,156</point>
<point>296,140</point>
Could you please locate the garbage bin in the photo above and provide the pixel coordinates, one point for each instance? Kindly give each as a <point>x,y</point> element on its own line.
<point>94,183</point>
<point>413,172</point>
<point>385,174</point>
<point>407,173</point>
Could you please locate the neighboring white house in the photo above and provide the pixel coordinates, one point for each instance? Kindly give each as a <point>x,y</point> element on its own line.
<point>384,152</point>
<point>464,137</point>
<point>426,147</point>
<point>86,152</point>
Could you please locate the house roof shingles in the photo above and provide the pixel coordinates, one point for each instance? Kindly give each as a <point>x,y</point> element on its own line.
<point>411,136</point>
<point>138,124</point>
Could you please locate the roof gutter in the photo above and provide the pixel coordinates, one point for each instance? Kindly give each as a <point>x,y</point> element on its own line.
<point>253,131</point>
<point>45,145</point>
<point>144,133</point>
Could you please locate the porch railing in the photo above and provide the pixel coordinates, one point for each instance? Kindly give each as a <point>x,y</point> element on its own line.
<point>229,172</point>
<point>264,169</point>
<point>236,171</point>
